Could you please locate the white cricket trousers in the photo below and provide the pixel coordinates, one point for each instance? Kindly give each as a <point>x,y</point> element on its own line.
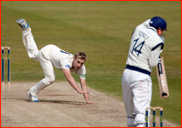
<point>137,92</point>
<point>38,55</point>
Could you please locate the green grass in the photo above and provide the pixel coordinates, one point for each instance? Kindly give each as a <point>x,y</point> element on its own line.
<point>102,30</point>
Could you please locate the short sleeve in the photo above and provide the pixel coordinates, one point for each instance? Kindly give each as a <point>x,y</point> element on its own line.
<point>82,72</point>
<point>65,64</point>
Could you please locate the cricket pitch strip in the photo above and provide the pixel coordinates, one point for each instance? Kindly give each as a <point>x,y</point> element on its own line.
<point>61,106</point>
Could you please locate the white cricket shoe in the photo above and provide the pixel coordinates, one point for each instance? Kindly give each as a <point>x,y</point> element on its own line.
<point>33,98</point>
<point>23,24</point>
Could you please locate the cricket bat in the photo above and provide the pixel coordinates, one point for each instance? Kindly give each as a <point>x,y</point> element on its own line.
<point>162,80</point>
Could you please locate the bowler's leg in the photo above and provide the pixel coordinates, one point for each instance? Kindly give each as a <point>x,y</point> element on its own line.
<point>49,77</point>
<point>30,44</point>
<point>28,40</point>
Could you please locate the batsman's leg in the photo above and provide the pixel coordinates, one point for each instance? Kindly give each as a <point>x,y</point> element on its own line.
<point>128,98</point>
<point>142,98</point>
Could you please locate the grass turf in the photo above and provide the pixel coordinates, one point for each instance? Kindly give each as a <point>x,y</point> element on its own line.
<point>102,30</point>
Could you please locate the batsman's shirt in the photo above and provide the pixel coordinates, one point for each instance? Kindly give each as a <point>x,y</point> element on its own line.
<point>61,59</point>
<point>144,41</point>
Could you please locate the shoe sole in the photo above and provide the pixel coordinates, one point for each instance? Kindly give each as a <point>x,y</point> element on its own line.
<point>23,26</point>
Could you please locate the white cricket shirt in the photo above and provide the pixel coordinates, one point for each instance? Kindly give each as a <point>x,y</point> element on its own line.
<point>144,51</point>
<point>61,59</point>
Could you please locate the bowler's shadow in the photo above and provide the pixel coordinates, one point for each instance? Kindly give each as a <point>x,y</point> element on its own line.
<point>62,102</point>
<point>23,97</point>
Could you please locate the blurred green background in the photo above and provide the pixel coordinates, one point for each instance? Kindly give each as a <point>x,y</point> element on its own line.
<point>102,29</point>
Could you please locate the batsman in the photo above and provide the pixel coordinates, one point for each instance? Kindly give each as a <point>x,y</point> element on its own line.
<point>52,56</point>
<point>145,48</point>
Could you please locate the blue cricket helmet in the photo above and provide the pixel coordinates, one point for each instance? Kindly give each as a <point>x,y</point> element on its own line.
<point>158,23</point>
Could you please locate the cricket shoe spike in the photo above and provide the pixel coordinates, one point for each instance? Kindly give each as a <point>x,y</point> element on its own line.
<point>23,24</point>
<point>33,98</point>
